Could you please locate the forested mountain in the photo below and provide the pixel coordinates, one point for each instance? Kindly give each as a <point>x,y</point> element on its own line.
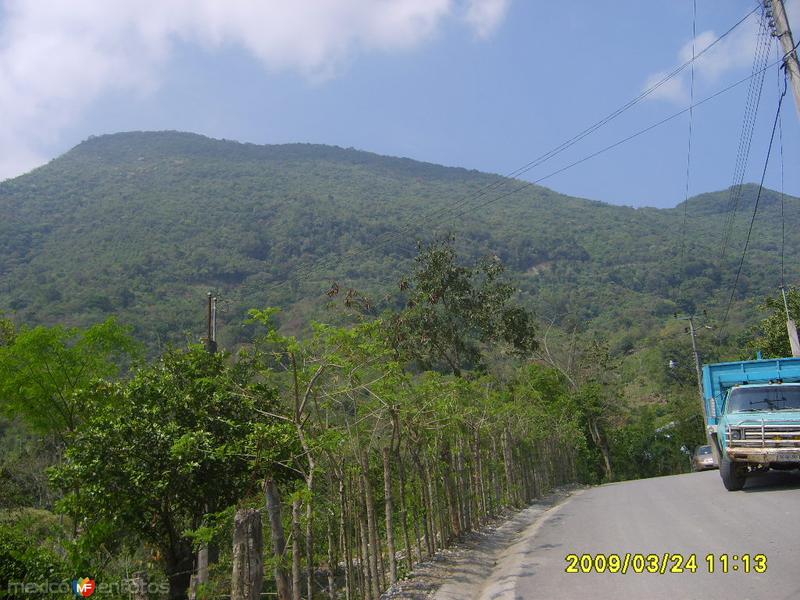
<point>114,463</point>
<point>142,225</point>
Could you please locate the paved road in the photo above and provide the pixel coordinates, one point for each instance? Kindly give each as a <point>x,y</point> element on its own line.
<point>686,514</point>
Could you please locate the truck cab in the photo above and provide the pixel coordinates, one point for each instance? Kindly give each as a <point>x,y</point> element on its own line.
<point>753,416</point>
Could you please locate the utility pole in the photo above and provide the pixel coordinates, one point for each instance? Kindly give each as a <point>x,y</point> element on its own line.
<point>696,355</point>
<point>782,31</point>
<point>211,337</point>
<point>205,555</point>
<point>791,327</point>
<point>698,372</point>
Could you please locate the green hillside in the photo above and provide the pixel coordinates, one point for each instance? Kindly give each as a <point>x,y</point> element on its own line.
<point>457,380</point>
<point>143,224</point>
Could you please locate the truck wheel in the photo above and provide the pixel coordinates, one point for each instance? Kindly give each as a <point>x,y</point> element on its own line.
<point>733,474</point>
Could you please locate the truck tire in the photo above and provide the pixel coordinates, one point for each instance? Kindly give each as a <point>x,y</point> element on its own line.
<point>733,474</point>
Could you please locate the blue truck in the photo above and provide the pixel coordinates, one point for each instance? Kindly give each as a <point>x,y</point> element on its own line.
<point>753,416</point>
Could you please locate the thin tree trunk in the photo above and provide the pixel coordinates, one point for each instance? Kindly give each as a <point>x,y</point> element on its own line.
<point>389,510</point>
<point>278,539</point>
<point>465,493</point>
<point>179,559</point>
<point>310,539</point>
<point>460,501</point>
<point>201,576</point>
<point>508,465</point>
<point>369,564</point>
<point>331,560</point>
<point>296,573</point>
<point>344,534</point>
<point>404,510</point>
<point>415,520</point>
<point>372,528</point>
<point>598,440</point>
<point>496,485</point>
<point>427,505</point>
<point>479,483</point>
<point>439,512</point>
<point>449,492</point>
<point>361,557</point>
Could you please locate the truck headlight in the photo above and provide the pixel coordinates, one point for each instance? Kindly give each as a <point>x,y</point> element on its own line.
<point>736,434</point>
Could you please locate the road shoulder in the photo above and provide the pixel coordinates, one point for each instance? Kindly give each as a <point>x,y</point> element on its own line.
<point>464,570</point>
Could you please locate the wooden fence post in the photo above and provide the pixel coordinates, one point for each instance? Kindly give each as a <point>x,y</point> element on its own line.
<point>248,547</point>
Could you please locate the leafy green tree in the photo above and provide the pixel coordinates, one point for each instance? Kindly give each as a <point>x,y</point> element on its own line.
<point>453,313</point>
<point>598,398</point>
<point>25,563</point>
<point>7,331</point>
<point>160,452</point>
<point>770,335</point>
<point>46,373</point>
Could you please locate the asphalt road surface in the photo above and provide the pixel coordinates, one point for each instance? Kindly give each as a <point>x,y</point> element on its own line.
<point>681,515</point>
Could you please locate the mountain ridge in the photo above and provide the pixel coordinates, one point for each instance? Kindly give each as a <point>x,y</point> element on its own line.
<point>112,147</point>
<point>142,224</point>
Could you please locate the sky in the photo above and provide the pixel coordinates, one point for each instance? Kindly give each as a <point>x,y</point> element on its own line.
<point>482,84</point>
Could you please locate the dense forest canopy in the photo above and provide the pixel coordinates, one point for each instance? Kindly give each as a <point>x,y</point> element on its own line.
<point>142,225</point>
<point>408,392</point>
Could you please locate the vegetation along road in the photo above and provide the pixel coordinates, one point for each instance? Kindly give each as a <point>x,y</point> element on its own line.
<point>681,516</point>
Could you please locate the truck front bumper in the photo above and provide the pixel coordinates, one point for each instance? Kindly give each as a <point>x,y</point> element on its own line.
<point>765,456</point>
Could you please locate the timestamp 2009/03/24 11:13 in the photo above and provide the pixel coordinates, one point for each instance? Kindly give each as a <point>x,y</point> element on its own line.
<point>631,562</point>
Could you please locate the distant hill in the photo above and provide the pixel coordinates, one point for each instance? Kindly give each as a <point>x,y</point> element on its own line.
<point>144,224</point>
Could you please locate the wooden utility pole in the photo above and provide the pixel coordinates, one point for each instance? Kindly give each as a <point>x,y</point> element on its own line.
<point>696,354</point>
<point>211,336</point>
<point>206,555</point>
<point>697,363</point>
<point>782,31</point>
<point>698,372</point>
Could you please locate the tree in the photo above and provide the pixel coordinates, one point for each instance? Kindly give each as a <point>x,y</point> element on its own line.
<point>46,373</point>
<point>160,452</point>
<point>7,331</point>
<point>770,335</point>
<point>453,313</point>
<point>318,381</point>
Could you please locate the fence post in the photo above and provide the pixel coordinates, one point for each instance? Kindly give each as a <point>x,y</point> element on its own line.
<point>248,547</point>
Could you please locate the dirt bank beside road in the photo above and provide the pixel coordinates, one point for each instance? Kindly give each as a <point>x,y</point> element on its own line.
<point>462,571</point>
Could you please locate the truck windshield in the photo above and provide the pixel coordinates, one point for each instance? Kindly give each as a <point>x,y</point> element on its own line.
<point>775,397</point>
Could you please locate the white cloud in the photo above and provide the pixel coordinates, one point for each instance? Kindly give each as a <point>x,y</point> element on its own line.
<point>734,52</point>
<point>485,16</point>
<point>57,57</point>
<point>672,90</point>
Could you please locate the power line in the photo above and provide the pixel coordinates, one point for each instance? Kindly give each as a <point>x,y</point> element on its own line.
<point>749,118</point>
<point>560,170</point>
<point>689,144</point>
<point>743,153</point>
<point>755,208</point>
<point>747,128</point>
<point>506,180</point>
<point>780,147</point>
<point>620,142</point>
<point>578,137</point>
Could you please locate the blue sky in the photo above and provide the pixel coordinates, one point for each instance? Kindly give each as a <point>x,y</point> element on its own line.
<point>483,84</point>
